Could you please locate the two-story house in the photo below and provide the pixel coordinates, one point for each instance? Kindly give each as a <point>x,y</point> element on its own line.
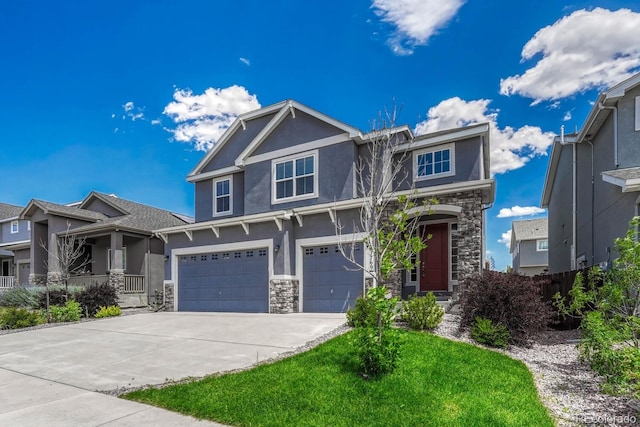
<point>119,245</point>
<point>14,232</point>
<point>592,186</point>
<point>529,246</point>
<point>268,196</point>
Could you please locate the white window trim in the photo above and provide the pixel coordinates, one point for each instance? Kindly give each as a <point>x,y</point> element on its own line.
<point>274,200</point>
<point>538,245</point>
<point>215,196</point>
<point>17,227</point>
<point>124,258</point>
<point>452,162</point>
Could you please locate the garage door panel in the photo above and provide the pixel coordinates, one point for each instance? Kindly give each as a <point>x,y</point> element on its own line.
<point>327,285</point>
<point>233,281</point>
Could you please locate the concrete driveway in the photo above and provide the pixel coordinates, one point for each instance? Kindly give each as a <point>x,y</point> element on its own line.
<point>50,376</point>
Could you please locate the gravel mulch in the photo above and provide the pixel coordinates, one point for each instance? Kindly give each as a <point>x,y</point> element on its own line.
<point>567,387</point>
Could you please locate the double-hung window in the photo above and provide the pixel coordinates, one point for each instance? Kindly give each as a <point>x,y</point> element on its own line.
<point>222,189</point>
<point>295,177</point>
<point>14,227</point>
<point>434,163</point>
<point>542,245</point>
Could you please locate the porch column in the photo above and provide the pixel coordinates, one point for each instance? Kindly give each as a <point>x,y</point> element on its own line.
<point>54,275</point>
<point>116,270</point>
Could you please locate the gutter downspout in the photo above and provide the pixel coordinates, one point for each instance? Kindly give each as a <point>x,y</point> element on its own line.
<point>593,195</point>
<point>601,106</point>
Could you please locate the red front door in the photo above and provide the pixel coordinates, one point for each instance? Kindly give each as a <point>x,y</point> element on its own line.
<point>434,260</point>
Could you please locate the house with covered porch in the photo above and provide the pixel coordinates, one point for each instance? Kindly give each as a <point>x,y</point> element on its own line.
<point>14,233</point>
<point>119,246</point>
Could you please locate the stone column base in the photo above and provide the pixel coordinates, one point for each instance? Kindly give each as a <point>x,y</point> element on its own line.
<point>284,296</point>
<point>168,296</point>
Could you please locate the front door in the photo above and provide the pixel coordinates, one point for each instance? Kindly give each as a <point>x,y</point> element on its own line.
<point>5,268</point>
<point>434,260</point>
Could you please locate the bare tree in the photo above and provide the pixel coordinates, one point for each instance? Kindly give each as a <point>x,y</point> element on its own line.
<point>66,257</point>
<point>388,216</point>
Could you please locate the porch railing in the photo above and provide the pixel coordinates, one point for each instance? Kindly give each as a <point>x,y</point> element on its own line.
<point>133,284</point>
<point>6,282</point>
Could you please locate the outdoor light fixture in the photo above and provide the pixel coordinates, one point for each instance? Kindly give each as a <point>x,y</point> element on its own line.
<point>276,248</point>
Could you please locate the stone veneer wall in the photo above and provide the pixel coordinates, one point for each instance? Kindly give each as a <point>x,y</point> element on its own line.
<point>168,296</point>
<point>38,279</point>
<point>54,278</point>
<point>284,295</point>
<point>469,230</point>
<point>469,235</point>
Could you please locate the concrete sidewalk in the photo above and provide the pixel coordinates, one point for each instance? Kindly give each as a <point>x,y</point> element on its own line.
<point>49,376</point>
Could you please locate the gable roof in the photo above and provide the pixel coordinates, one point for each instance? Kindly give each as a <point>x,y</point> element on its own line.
<point>528,229</point>
<point>8,211</point>
<point>136,217</point>
<point>281,110</point>
<point>595,119</point>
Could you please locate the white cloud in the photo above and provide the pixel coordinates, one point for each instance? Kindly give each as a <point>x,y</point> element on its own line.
<point>587,49</point>
<point>201,119</point>
<point>510,148</point>
<point>506,238</point>
<point>245,61</point>
<point>567,116</point>
<point>155,122</point>
<point>133,112</point>
<point>519,211</point>
<point>416,21</point>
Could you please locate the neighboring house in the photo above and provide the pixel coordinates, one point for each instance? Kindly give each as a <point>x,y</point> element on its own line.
<point>268,196</point>
<point>118,243</point>
<point>529,246</point>
<point>591,203</point>
<point>14,232</point>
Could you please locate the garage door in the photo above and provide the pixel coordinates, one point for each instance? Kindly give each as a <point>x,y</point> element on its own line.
<point>224,281</point>
<point>330,283</point>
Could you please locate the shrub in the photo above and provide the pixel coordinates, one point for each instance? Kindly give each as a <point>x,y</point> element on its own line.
<point>112,310</point>
<point>376,343</point>
<point>422,312</point>
<point>57,296</point>
<point>609,305</point>
<point>507,298</point>
<point>69,312</point>
<point>363,313</point>
<point>95,296</point>
<point>492,334</point>
<point>15,318</point>
<point>20,296</point>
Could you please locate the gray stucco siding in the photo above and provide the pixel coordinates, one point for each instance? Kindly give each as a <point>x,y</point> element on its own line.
<point>294,131</point>
<point>628,137</point>
<point>335,175</point>
<point>530,255</point>
<point>467,166</point>
<point>204,198</point>
<point>560,219</point>
<point>7,237</point>
<point>228,153</point>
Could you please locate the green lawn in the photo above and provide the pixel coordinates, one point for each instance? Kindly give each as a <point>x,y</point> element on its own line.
<point>439,382</point>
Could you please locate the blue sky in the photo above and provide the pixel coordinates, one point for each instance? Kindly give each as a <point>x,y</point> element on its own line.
<point>121,97</point>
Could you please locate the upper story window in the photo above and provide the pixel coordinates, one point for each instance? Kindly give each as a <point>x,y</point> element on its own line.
<point>222,189</point>
<point>542,245</point>
<point>434,163</point>
<point>14,227</point>
<point>295,177</point>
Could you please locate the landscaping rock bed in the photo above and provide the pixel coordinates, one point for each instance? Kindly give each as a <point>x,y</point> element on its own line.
<point>566,386</point>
